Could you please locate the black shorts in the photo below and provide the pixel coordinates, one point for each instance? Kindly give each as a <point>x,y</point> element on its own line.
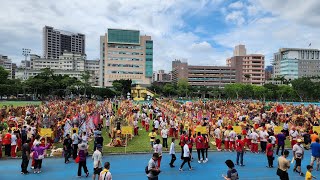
<point>298,162</point>
<point>97,170</point>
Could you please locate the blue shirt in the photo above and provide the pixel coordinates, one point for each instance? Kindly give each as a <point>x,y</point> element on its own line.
<point>281,138</point>
<point>315,149</point>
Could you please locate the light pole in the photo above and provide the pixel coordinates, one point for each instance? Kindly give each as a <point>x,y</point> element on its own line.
<point>25,53</point>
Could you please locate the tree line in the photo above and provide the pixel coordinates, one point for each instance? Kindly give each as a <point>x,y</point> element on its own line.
<point>301,89</point>
<point>48,84</point>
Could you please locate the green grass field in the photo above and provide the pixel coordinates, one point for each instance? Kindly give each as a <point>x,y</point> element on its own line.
<point>18,103</point>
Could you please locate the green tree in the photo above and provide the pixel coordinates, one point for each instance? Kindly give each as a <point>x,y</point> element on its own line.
<point>303,87</point>
<point>233,90</point>
<point>169,89</point>
<point>3,75</point>
<point>260,92</point>
<point>183,87</point>
<point>216,92</point>
<point>85,80</point>
<point>118,87</point>
<point>124,88</point>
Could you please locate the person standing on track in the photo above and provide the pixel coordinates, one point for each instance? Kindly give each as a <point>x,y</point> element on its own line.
<point>97,161</point>
<point>269,153</point>
<point>83,148</point>
<point>25,157</point>
<point>181,143</point>
<point>298,153</point>
<point>157,148</point>
<point>67,148</point>
<point>172,153</point>
<point>240,150</point>
<point>206,147</point>
<point>283,166</point>
<point>200,145</point>
<point>186,157</point>
<point>75,141</point>
<point>105,174</point>
<point>281,142</point>
<point>315,153</point>
<point>153,170</point>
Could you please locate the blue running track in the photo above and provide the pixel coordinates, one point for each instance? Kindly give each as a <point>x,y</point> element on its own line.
<point>131,167</point>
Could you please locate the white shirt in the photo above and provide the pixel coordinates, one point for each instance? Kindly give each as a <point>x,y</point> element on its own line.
<point>285,126</point>
<point>186,151</point>
<point>263,136</point>
<point>135,124</point>
<point>35,142</point>
<point>164,133</point>
<point>84,138</point>
<point>75,138</point>
<point>293,134</point>
<point>158,149</point>
<point>13,139</point>
<point>217,133</point>
<point>97,156</point>
<point>220,121</point>
<point>156,124</point>
<point>103,176</point>
<point>147,120</point>
<point>232,136</point>
<point>226,135</point>
<point>172,148</point>
<point>254,137</point>
<point>256,120</point>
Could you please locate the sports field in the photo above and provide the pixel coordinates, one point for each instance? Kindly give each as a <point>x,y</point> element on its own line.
<point>18,103</point>
<point>132,166</point>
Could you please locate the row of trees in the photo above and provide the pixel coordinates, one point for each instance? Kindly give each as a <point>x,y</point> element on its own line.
<point>301,89</point>
<point>48,84</point>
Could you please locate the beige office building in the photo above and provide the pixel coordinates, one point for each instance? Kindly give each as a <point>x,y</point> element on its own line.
<point>213,76</point>
<point>126,55</point>
<point>249,67</point>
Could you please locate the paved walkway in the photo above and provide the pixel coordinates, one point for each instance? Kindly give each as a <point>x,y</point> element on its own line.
<point>131,167</point>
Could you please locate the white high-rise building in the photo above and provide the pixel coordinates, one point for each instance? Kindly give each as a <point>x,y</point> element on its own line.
<point>293,63</point>
<point>7,64</point>
<point>72,64</point>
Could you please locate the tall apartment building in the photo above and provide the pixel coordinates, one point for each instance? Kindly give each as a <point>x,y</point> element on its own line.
<point>249,67</point>
<point>55,42</point>
<point>240,50</point>
<point>126,55</point>
<point>72,64</point>
<point>269,72</point>
<point>161,76</point>
<point>7,64</point>
<point>293,63</point>
<point>214,76</point>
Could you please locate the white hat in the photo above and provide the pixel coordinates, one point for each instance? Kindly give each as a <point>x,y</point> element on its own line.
<point>82,146</point>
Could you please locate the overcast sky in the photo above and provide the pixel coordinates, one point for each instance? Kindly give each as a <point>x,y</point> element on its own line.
<point>201,31</point>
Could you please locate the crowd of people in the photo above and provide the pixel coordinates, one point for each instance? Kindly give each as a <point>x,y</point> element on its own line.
<point>238,126</point>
